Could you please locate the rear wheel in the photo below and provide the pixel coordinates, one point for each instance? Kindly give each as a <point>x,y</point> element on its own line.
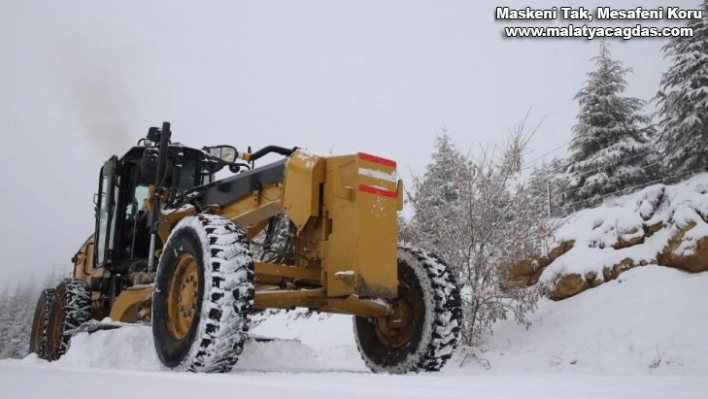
<point>70,309</point>
<point>40,323</point>
<point>203,295</point>
<point>424,327</point>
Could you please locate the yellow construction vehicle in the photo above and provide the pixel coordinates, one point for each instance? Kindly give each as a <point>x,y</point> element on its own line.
<point>174,247</point>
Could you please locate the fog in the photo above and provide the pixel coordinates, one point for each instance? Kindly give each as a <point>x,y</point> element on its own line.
<point>82,80</point>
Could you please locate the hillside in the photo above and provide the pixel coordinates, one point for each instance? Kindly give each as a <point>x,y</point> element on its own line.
<point>662,224</point>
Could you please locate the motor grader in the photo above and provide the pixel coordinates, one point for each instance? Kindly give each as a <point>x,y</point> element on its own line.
<point>194,256</point>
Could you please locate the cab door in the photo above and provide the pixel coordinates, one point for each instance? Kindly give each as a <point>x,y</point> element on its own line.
<point>104,213</point>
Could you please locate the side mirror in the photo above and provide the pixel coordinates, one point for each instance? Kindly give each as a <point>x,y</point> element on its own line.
<point>226,153</point>
<point>153,135</point>
<point>148,165</point>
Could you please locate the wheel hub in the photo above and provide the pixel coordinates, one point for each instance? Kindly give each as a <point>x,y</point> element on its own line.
<point>396,329</point>
<point>182,292</point>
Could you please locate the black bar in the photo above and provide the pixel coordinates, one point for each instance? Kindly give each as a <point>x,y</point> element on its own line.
<point>162,157</point>
<point>271,148</point>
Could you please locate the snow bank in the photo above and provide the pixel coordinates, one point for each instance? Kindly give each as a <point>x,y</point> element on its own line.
<point>131,348</point>
<point>659,225</point>
<point>126,348</point>
<point>650,320</point>
<point>284,342</point>
<point>330,336</point>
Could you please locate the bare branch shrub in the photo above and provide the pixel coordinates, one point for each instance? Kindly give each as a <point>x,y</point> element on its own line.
<point>480,217</point>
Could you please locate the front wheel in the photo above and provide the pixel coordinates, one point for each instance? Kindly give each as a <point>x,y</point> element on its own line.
<point>203,295</point>
<point>424,328</point>
<point>70,308</point>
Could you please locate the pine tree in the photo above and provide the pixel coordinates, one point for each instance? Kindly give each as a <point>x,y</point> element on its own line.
<point>549,177</point>
<point>683,100</point>
<point>5,319</point>
<point>17,308</point>
<point>21,308</point>
<point>611,146</point>
<point>437,195</point>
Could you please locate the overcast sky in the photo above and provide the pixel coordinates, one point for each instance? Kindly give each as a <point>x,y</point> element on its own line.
<point>81,80</point>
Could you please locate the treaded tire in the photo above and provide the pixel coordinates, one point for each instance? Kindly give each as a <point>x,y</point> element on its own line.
<point>40,322</point>
<point>70,309</point>
<point>436,313</point>
<point>224,296</point>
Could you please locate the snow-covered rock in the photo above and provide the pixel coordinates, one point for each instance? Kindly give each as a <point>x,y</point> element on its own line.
<point>664,225</point>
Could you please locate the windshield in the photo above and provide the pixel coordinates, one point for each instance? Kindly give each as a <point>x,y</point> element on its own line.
<point>187,177</point>
<point>103,219</point>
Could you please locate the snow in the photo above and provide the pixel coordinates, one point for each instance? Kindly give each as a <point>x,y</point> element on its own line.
<point>596,230</point>
<point>641,336</point>
<point>90,384</point>
<point>651,320</point>
<point>380,175</point>
<point>307,158</point>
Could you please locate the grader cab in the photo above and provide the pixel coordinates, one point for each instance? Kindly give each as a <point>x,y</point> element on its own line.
<point>194,256</point>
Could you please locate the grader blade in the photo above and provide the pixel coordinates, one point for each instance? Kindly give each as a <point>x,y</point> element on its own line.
<point>93,326</point>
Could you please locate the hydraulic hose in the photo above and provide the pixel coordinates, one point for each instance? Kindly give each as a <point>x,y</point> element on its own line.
<point>271,148</point>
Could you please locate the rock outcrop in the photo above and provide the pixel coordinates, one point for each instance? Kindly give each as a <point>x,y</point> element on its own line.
<point>664,225</point>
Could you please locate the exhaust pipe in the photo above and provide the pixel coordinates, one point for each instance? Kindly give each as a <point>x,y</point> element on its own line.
<point>159,180</point>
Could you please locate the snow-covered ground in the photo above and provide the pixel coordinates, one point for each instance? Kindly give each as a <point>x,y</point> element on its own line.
<point>596,232</point>
<point>651,320</point>
<point>641,336</point>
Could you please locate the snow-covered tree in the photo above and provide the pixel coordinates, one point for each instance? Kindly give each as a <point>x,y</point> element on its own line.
<point>20,308</point>
<point>683,100</point>
<point>479,218</point>
<point>437,197</point>
<point>611,149</point>
<point>549,178</point>
<point>404,230</point>
<point>5,318</point>
<point>17,307</point>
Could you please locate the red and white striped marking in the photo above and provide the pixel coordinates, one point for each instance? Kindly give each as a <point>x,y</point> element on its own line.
<point>391,177</point>
<point>365,188</point>
<point>375,159</point>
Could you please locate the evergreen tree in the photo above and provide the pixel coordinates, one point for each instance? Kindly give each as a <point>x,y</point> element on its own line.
<point>17,307</point>
<point>5,319</point>
<point>545,177</point>
<point>683,100</point>
<point>611,146</point>
<point>437,195</point>
<point>21,308</point>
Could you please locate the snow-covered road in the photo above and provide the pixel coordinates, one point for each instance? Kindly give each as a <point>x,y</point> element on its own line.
<point>40,381</point>
<point>641,336</point>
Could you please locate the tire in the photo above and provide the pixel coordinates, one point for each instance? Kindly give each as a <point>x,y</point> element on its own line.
<point>40,322</point>
<point>70,309</point>
<point>203,296</point>
<point>424,329</point>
